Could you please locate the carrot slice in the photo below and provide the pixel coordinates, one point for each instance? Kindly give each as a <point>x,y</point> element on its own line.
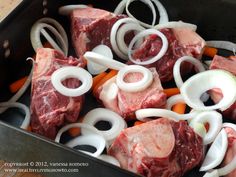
<point>138,123</point>
<point>179,108</point>
<point>15,86</point>
<point>171,91</point>
<point>210,51</point>
<point>29,128</point>
<point>98,78</point>
<point>111,74</point>
<point>74,131</point>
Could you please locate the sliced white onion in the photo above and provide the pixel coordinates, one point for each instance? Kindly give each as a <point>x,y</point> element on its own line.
<point>109,159</point>
<point>95,68</point>
<point>103,60</point>
<point>150,5</point>
<point>58,31</point>
<point>228,168</point>
<point>101,114</point>
<point>227,45</point>
<point>114,39</point>
<point>58,26</point>
<point>176,24</point>
<point>22,90</point>
<point>84,126</point>
<point>200,83</point>
<point>143,114</point>
<point>120,7</point>
<point>141,85</point>
<point>162,12</point>
<point>214,119</point>
<point>230,125</point>
<point>216,152</point>
<point>171,101</point>
<point>71,72</point>
<point>176,70</point>
<point>143,34</point>
<point>199,128</point>
<point>66,10</point>
<point>93,140</point>
<point>121,35</point>
<point>26,122</point>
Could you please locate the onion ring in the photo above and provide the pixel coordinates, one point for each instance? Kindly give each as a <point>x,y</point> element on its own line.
<point>227,45</point>
<point>215,121</point>
<point>176,24</point>
<point>103,60</point>
<point>143,34</point>
<point>71,72</point>
<point>141,85</point>
<point>26,122</point>
<point>142,114</point>
<point>198,84</point>
<point>93,140</point>
<point>102,114</point>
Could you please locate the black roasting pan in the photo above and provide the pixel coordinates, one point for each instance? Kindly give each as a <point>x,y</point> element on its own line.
<point>214,18</point>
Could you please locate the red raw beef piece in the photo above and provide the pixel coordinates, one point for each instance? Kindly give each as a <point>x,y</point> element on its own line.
<point>158,148</point>
<point>50,109</point>
<point>219,62</point>
<point>182,42</point>
<point>126,103</point>
<point>231,151</point>
<point>91,27</point>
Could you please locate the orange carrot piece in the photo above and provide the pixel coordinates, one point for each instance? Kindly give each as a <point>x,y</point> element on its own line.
<point>111,74</point>
<point>179,108</point>
<point>29,128</point>
<point>210,51</point>
<point>98,78</point>
<point>207,126</point>
<point>15,86</point>
<point>171,91</point>
<point>138,123</point>
<point>74,131</point>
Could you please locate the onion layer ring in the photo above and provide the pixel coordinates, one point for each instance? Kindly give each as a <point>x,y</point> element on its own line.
<point>102,114</point>
<point>200,83</point>
<point>143,34</point>
<point>71,72</point>
<point>141,85</point>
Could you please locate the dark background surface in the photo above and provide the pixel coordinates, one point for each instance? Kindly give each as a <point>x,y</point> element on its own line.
<point>215,21</point>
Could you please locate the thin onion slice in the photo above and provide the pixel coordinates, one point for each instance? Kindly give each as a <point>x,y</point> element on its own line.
<point>200,83</point>
<point>227,45</point>
<point>103,60</point>
<point>93,140</point>
<point>22,90</point>
<point>26,122</point>
<point>101,114</point>
<point>143,34</point>
<point>109,159</point>
<point>95,68</point>
<point>66,10</point>
<point>120,7</point>
<point>219,147</point>
<point>176,24</point>
<point>79,125</point>
<point>214,119</point>
<point>121,35</point>
<point>171,101</point>
<point>71,72</point>
<point>150,5</point>
<point>176,70</point>
<point>162,12</point>
<point>199,128</point>
<point>141,85</point>
<point>143,114</point>
<point>55,28</point>
<point>230,125</point>
<point>114,39</point>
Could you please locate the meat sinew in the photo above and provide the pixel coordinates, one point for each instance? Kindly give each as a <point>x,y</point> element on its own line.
<point>231,151</point>
<point>182,42</point>
<point>50,109</point>
<point>126,103</point>
<point>91,27</point>
<point>219,62</point>
<point>159,148</point>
